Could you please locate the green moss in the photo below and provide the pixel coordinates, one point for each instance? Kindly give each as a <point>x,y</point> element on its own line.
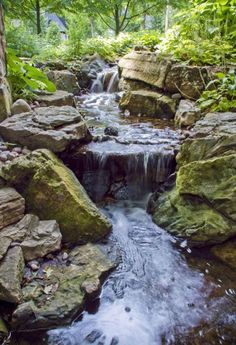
<point>52,191</point>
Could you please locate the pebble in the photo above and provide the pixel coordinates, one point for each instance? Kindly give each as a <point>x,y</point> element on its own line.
<point>115,341</point>
<point>3,148</point>
<point>93,336</point>
<point>3,157</point>
<point>65,256</point>
<point>17,150</point>
<point>128,309</point>
<point>34,265</point>
<point>25,151</point>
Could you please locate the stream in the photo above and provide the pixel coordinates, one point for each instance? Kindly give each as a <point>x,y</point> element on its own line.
<point>161,291</point>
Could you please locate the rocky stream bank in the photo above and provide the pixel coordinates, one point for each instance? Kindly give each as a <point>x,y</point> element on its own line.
<point>69,150</point>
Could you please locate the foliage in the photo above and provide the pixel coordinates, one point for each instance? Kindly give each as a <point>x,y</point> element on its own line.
<point>220,94</point>
<point>25,79</point>
<point>53,35</point>
<point>205,34</point>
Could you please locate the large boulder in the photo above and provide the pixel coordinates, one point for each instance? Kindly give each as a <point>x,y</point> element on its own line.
<point>58,98</point>
<point>54,128</point>
<point>11,273</point>
<point>187,114</point>
<point>52,191</point>
<point>152,69</point>
<point>202,206</point>
<point>12,206</point>
<point>145,67</point>
<point>67,288</point>
<point>64,80</point>
<point>148,103</point>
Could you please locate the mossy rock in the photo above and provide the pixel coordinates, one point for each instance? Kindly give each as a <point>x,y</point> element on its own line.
<point>52,191</point>
<point>202,207</point>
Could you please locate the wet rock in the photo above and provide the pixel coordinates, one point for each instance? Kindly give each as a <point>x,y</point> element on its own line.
<point>148,103</point>
<point>48,186</point>
<point>58,98</point>
<point>12,206</point>
<point>3,330</point>
<point>112,131</point>
<point>20,106</point>
<point>93,336</point>
<point>187,114</point>
<point>64,80</point>
<point>226,252</point>
<point>11,273</point>
<point>64,297</point>
<point>89,70</point>
<point>202,206</point>
<point>54,128</point>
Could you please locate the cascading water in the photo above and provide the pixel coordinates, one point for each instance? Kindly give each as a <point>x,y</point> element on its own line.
<point>159,293</point>
<point>107,81</point>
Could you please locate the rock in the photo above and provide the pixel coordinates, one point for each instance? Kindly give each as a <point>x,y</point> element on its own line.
<point>148,103</point>
<point>48,186</point>
<point>187,114</point>
<point>226,252</point>
<point>64,297</point>
<point>90,67</point>
<point>34,265</point>
<point>3,330</point>
<point>112,131</point>
<point>54,128</point>
<point>190,81</point>
<point>36,238</point>
<point>43,239</point>
<point>58,98</point>
<point>64,80</point>
<point>5,99</point>
<point>146,67</point>
<point>202,206</point>
<point>11,273</point>
<point>166,74</point>
<point>12,206</point>
<point>20,106</point>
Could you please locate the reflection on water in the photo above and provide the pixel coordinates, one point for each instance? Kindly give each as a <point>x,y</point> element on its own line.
<point>154,296</point>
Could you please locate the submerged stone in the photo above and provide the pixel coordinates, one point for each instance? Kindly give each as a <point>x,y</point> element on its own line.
<point>52,191</point>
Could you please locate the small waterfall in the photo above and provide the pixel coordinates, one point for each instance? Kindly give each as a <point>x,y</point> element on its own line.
<point>122,171</point>
<point>107,81</point>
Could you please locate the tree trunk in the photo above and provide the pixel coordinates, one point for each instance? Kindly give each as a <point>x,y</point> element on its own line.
<point>167,15</point>
<point>117,21</point>
<point>38,15</point>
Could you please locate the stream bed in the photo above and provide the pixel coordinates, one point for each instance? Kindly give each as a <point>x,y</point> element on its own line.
<point>161,291</point>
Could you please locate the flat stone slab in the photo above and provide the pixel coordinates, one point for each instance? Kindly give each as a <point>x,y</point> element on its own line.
<point>12,206</point>
<point>54,128</point>
<point>58,98</point>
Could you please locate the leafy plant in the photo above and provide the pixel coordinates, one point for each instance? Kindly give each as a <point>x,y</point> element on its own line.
<point>220,94</point>
<point>25,79</point>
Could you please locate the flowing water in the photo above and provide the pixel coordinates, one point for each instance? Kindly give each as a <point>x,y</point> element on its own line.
<point>161,292</point>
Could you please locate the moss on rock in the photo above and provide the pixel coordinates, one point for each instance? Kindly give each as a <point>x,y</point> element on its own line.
<point>52,191</point>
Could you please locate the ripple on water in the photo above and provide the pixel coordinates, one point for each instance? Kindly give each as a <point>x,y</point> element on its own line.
<point>154,296</point>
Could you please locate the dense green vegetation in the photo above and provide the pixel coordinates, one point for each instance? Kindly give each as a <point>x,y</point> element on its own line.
<point>200,32</point>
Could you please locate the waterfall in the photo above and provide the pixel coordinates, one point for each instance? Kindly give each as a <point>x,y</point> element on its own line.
<point>107,81</point>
